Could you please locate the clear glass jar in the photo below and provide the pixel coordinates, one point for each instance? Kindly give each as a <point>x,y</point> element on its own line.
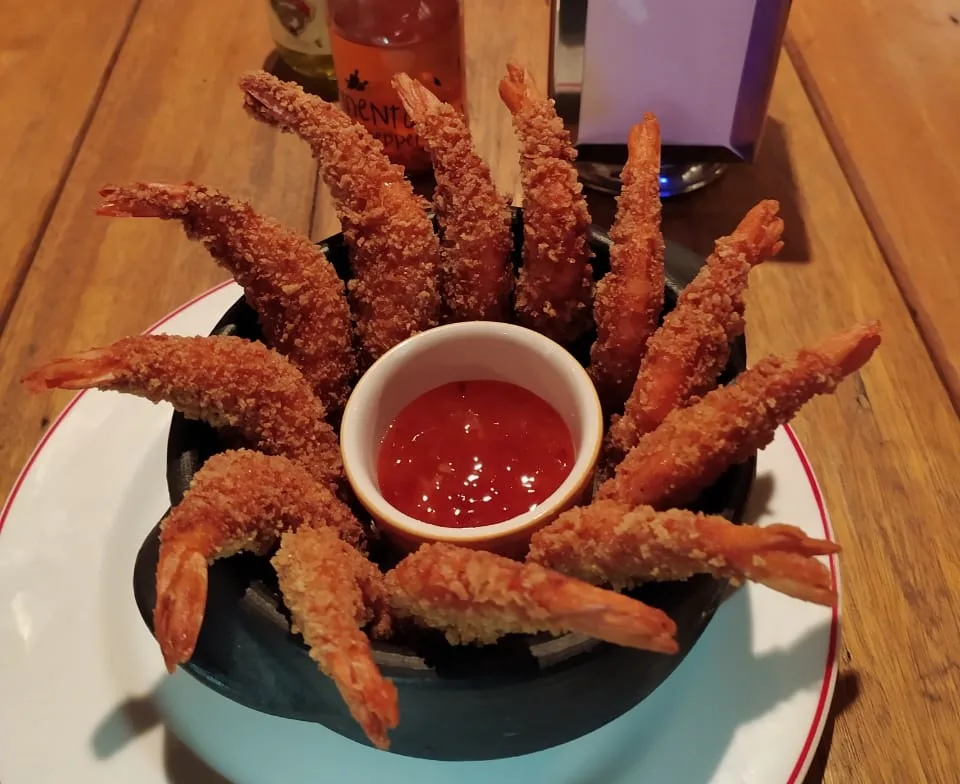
<point>299,31</point>
<point>374,39</point>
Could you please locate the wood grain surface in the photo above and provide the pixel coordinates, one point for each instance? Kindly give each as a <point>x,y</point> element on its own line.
<point>886,446</point>
<point>884,75</point>
<point>54,61</point>
<point>170,112</point>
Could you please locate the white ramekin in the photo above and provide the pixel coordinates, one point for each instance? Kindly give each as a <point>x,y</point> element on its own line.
<point>462,352</point>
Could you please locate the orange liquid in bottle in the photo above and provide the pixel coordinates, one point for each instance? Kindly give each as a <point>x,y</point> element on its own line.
<point>372,40</point>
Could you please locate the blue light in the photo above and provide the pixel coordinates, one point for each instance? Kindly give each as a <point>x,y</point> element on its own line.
<point>663,180</point>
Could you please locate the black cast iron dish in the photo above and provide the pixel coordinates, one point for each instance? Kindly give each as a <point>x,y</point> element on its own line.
<point>522,695</point>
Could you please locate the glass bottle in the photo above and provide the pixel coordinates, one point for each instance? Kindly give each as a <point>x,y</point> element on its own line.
<point>299,31</point>
<point>374,39</point>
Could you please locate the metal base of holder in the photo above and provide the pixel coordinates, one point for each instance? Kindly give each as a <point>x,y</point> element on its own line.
<point>674,178</point>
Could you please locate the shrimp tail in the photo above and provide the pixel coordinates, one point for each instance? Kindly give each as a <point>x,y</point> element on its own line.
<point>144,200</point>
<point>644,137</point>
<point>81,371</point>
<point>515,89</point>
<point>801,578</point>
<point>849,351</point>
<point>181,600</point>
<point>417,99</point>
<point>759,232</point>
<point>371,699</point>
<point>613,617</point>
<point>263,103</point>
<point>289,109</point>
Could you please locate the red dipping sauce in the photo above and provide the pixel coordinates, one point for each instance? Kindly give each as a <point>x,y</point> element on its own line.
<point>473,453</point>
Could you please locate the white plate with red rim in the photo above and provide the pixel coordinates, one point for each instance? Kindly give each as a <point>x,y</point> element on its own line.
<point>84,696</point>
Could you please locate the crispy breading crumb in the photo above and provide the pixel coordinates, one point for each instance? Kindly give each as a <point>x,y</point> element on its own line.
<point>332,591</point>
<point>475,596</point>
<point>226,381</point>
<point>477,275</point>
<point>693,446</point>
<point>300,300</point>
<point>239,500</point>
<point>554,289</point>
<point>612,543</point>
<point>687,353</point>
<point>395,252</point>
<point>628,299</point>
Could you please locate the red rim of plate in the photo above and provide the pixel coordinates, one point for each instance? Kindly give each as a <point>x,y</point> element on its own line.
<point>829,673</point>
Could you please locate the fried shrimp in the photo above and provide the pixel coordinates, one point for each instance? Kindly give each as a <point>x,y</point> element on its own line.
<point>477,276</point>
<point>332,591</point>
<point>239,500</point>
<point>301,301</point>
<point>477,596</point>
<point>689,351</point>
<point>629,298</point>
<point>609,543</point>
<point>395,252</point>
<point>226,381</point>
<point>554,288</point>
<point>695,445</point>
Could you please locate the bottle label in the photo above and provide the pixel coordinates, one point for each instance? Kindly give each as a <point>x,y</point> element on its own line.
<point>364,73</point>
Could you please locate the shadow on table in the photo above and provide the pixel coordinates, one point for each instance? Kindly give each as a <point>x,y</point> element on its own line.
<point>696,219</point>
<point>137,716</point>
<point>710,707</point>
<point>844,695</point>
<point>708,694</point>
<point>758,504</point>
<point>847,688</point>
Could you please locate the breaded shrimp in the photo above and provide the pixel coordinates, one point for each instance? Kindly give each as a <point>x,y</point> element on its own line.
<point>477,276</point>
<point>629,298</point>
<point>694,446</point>
<point>226,381</point>
<point>554,288</point>
<point>239,500</point>
<point>689,351</point>
<point>332,591</point>
<point>609,543</point>
<point>301,301</point>
<point>395,252</point>
<point>477,596</point>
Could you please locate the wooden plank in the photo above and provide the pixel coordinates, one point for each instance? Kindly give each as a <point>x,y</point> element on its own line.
<point>171,111</point>
<point>884,76</point>
<point>54,57</point>
<point>495,31</point>
<point>886,448</point>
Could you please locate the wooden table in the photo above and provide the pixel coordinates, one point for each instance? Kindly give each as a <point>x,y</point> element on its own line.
<point>860,150</point>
